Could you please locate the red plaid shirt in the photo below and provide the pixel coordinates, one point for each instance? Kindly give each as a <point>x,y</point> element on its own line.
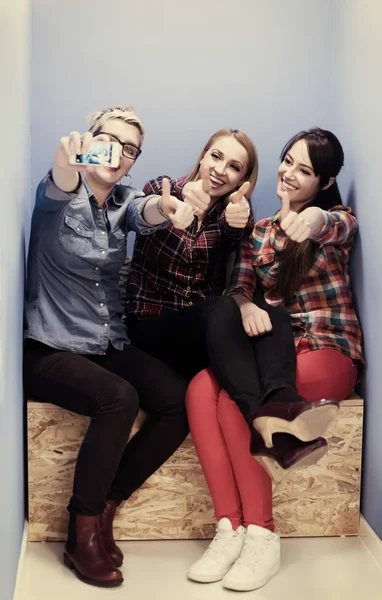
<point>322,311</point>
<point>173,269</point>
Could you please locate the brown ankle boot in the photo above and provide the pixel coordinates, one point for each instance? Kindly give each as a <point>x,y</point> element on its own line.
<point>106,524</point>
<point>85,554</point>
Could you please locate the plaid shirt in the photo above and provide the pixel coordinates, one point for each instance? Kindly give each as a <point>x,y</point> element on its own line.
<point>322,311</point>
<point>175,269</point>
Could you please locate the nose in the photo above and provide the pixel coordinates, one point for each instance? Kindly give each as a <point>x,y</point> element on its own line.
<point>289,172</point>
<point>220,168</point>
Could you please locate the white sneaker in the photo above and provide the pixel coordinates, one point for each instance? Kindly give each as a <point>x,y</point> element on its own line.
<point>258,562</point>
<point>220,555</point>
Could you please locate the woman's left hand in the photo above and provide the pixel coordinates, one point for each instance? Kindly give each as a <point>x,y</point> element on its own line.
<point>300,226</point>
<point>237,211</point>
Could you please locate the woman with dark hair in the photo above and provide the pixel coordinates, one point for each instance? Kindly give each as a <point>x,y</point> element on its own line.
<point>176,310</point>
<point>297,259</point>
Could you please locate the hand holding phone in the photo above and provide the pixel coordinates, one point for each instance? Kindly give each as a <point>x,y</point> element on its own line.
<point>77,153</point>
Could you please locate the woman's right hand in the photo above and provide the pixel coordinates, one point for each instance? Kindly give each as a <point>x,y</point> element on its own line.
<point>197,193</point>
<point>255,320</point>
<point>75,143</point>
<point>66,176</point>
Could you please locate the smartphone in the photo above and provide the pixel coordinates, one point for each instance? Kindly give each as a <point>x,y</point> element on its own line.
<point>101,154</point>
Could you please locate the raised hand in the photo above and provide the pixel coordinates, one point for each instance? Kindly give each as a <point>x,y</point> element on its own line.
<point>65,175</point>
<point>197,193</point>
<point>75,143</point>
<point>300,226</point>
<point>237,211</point>
<point>179,213</point>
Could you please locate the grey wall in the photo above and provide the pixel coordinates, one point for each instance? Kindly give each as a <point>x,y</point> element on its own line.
<point>189,68</point>
<point>15,215</point>
<point>357,87</point>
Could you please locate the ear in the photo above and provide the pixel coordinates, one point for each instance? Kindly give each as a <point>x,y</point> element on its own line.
<point>330,182</point>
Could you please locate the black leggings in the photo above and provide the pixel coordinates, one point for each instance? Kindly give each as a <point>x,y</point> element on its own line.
<point>110,389</point>
<point>211,334</point>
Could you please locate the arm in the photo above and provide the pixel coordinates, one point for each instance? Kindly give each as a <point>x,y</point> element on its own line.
<point>50,198</point>
<point>236,234</point>
<point>154,186</point>
<point>339,227</point>
<point>256,321</point>
<point>143,214</point>
<point>243,281</point>
<point>63,183</point>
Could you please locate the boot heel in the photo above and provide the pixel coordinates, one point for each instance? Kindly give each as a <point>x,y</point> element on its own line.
<point>262,426</point>
<point>68,563</point>
<point>273,469</point>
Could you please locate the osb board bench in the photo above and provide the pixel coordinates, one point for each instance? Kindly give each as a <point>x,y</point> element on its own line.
<point>174,503</point>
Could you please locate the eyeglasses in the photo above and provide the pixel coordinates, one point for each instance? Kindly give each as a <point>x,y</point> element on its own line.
<point>128,150</point>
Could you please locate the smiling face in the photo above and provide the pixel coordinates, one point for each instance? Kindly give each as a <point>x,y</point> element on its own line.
<point>107,177</point>
<point>296,176</point>
<point>228,161</point>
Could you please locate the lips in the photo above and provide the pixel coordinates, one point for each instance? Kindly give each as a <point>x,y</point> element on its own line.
<point>288,186</point>
<point>215,181</point>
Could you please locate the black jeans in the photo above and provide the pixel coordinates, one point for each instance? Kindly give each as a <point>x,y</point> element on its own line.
<point>110,389</point>
<point>211,334</point>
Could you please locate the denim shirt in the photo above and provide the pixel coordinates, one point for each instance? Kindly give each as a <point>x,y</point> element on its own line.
<point>73,300</point>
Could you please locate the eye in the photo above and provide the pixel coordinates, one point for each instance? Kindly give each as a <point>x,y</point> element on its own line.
<point>305,171</point>
<point>287,160</point>
<point>235,168</point>
<point>215,155</point>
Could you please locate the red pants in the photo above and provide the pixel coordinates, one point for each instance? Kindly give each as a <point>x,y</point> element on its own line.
<point>240,488</point>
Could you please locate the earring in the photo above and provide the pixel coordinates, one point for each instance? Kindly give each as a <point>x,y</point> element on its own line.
<point>128,184</point>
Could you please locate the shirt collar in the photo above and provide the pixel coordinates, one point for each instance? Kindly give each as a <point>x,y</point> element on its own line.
<point>115,196</point>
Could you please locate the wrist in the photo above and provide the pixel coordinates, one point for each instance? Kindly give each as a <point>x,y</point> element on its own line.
<point>160,209</point>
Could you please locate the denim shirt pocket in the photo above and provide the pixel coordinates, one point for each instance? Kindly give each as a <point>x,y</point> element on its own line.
<point>75,235</point>
<point>118,246</point>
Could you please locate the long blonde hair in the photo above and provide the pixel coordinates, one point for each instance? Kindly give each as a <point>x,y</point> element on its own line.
<point>246,142</point>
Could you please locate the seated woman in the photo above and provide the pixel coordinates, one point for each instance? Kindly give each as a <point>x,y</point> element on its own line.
<point>299,258</point>
<point>177,277</point>
<point>175,309</point>
<point>77,353</point>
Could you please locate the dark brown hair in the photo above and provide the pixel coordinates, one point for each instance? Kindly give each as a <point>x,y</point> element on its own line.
<point>327,158</point>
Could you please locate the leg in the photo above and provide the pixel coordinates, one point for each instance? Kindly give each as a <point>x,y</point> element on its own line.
<point>254,484</point>
<point>177,338</point>
<point>275,352</point>
<point>260,556</point>
<point>226,546</point>
<point>161,394</point>
<point>232,357</point>
<point>325,373</point>
<point>202,398</point>
<point>77,384</point>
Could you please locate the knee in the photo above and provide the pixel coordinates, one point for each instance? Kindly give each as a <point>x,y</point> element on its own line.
<point>122,399</point>
<point>225,310</point>
<point>279,314</point>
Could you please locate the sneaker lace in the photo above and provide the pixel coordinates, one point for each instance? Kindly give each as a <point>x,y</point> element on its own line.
<point>253,552</point>
<point>220,544</point>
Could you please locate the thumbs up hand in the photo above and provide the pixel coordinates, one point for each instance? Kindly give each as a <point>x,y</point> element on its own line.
<point>238,210</point>
<point>179,213</point>
<point>300,226</point>
<point>197,193</point>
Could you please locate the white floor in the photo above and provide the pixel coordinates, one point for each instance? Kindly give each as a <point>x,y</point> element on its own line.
<point>312,569</point>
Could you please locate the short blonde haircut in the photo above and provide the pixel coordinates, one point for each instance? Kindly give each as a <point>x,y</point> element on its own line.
<point>126,114</point>
<point>246,142</point>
